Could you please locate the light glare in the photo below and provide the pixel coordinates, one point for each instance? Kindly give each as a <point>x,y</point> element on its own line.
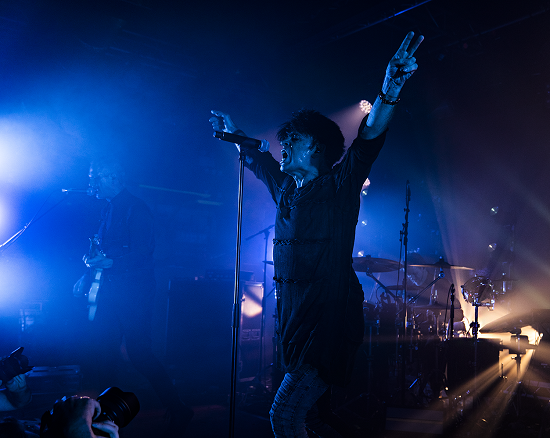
<point>365,106</point>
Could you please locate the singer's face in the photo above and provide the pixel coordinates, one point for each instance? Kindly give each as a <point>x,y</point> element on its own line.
<point>103,183</point>
<point>296,154</point>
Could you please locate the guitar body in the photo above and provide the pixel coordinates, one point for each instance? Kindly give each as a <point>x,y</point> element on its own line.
<point>92,294</point>
<point>97,279</point>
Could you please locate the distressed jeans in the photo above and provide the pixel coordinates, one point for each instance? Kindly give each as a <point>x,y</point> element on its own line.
<point>294,408</point>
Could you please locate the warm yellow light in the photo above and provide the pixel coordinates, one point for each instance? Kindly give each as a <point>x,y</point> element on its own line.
<point>365,106</point>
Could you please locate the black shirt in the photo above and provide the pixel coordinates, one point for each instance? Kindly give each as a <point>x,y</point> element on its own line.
<point>319,298</point>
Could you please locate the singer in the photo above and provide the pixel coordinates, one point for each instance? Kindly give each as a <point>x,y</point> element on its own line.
<point>319,298</point>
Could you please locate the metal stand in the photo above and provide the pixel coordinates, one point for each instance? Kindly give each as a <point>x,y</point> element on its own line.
<point>450,328</point>
<point>439,277</point>
<point>405,240</point>
<point>402,329</point>
<point>475,330</point>
<point>236,317</point>
<point>478,291</point>
<point>265,232</point>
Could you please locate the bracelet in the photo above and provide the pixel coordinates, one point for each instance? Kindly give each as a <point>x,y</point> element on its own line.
<point>383,99</point>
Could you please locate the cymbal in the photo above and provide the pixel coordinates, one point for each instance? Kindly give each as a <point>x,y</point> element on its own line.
<point>371,264</point>
<point>400,287</point>
<point>442,264</point>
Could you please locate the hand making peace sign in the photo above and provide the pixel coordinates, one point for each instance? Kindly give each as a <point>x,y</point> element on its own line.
<point>403,64</point>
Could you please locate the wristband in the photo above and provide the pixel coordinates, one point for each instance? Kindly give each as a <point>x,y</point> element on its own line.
<point>383,99</point>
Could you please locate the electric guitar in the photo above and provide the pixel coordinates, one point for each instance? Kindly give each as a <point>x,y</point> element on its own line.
<point>97,279</point>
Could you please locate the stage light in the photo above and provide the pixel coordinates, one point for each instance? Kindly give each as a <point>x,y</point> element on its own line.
<point>494,211</point>
<point>365,189</point>
<point>361,254</point>
<point>364,223</point>
<point>28,146</point>
<point>365,106</point>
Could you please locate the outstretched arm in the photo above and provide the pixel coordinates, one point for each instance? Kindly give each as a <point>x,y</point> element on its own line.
<point>401,67</point>
<point>262,164</point>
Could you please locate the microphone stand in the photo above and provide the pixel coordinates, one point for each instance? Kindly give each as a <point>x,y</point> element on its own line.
<point>235,325</point>
<point>405,235</point>
<point>17,235</point>
<point>403,323</point>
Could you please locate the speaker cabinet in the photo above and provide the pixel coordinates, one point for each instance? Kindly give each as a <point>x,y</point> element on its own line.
<point>198,344</point>
<point>199,333</point>
<point>250,332</point>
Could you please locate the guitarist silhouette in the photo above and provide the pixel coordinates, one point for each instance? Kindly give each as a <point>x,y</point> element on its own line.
<point>122,264</point>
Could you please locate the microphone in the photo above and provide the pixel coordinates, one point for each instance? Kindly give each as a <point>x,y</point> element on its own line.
<point>89,191</point>
<point>246,142</point>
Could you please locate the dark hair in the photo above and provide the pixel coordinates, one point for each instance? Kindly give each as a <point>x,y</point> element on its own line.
<point>112,165</point>
<point>319,127</point>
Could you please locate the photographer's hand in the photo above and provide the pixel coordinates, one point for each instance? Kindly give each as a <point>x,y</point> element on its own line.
<point>18,393</point>
<point>74,416</point>
<point>107,427</point>
<point>17,384</point>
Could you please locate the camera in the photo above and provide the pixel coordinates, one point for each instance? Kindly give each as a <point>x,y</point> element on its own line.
<point>13,365</point>
<point>118,406</point>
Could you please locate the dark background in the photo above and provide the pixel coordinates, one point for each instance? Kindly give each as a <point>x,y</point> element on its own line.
<point>138,79</point>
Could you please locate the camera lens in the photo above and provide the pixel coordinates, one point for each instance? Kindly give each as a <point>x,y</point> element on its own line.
<point>118,406</point>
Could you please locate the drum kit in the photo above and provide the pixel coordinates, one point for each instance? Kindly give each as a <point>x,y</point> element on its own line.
<point>422,327</point>
<point>418,314</point>
<point>409,296</point>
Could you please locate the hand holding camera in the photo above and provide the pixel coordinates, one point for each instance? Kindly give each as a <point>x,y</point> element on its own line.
<point>77,417</point>
<point>13,365</point>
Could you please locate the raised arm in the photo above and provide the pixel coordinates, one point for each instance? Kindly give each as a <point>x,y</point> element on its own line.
<point>262,164</point>
<point>400,68</point>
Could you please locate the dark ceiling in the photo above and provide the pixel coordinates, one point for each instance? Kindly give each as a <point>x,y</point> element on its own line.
<point>138,78</point>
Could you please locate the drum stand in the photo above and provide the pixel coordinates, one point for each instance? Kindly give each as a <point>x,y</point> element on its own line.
<point>413,299</point>
<point>265,232</point>
<point>518,385</point>
<point>476,293</point>
<point>475,330</point>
